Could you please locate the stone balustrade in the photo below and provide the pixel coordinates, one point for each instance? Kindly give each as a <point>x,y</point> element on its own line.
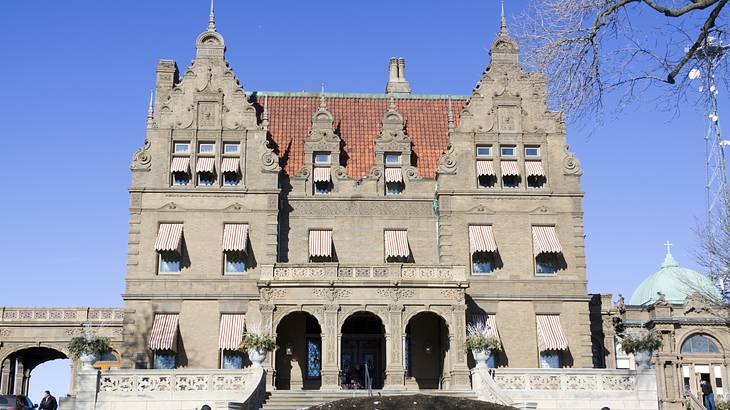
<point>385,272</point>
<point>66,315</point>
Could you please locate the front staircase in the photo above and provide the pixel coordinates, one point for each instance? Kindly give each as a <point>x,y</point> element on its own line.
<point>303,399</point>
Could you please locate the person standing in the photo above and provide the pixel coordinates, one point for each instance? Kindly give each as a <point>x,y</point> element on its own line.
<point>708,395</point>
<point>48,402</point>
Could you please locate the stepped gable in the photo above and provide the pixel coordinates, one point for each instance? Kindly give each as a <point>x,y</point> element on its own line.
<point>358,120</point>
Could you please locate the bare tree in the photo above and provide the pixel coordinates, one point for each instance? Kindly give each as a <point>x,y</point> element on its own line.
<point>588,48</point>
<point>714,253</point>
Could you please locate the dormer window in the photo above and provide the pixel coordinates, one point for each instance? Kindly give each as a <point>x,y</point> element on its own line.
<point>322,158</point>
<point>484,151</point>
<point>206,148</point>
<point>181,148</point>
<point>508,151</point>
<point>392,158</point>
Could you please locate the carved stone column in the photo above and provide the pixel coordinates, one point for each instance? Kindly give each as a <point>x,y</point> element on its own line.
<point>457,355</point>
<point>394,370</point>
<point>5,377</point>
<point>330,337</point>
<point>267,318</point>
<point>19,376</point>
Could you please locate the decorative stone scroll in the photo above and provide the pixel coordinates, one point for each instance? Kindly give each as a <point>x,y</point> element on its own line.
<point>447,162</point>
<point>142,159</point>
<point>396,294</point>
<point>571,164</point>
<point>332,294</point>
<point>299,273</point>
<point>427,273</point>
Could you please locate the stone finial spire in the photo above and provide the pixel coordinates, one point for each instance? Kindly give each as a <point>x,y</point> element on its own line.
<point>211,18</point>
<point>503,28</point>
<point>150,110</point>
<point>322,101</point>
<point>450,116</point>
<point>504,51</point>
<point>265,114</point>
<point>391,104</point>
<point>397,83</point>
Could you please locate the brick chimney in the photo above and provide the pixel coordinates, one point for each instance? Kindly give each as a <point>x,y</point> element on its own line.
<point>397,83</point>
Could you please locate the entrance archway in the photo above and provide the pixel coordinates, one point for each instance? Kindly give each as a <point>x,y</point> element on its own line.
<point>298,358</point>
<point>427,341</point>
<point>362,351</point>
<point>16,369</point>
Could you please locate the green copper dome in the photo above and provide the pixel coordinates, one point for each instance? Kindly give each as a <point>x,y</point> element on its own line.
<point>673,281</point>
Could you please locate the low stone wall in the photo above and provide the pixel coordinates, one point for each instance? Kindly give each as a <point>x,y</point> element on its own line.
<point>169,389</point>
<point>553,389</point>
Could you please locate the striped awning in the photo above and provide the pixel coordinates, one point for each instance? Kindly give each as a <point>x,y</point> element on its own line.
<point>169,237</point>
<point>164,332</point>
<point>231,332</point>
<point>485,168</point>
<point>481,239</point>
<point>545,240</point>
<point>550,334</point>
<point>509,168</point>
<point>491,321</point>
<point>230,165</point>
<point>322,174</point>
<point>205,164</point>
<point>534,168</point>
<point>393,175</point>
<point>235,237</point>
<point>320,243</point>
<point>396,244</point>
<point>180,164</point>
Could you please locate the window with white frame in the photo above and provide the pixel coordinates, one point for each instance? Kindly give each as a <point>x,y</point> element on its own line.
<point>508,151</point>
<point>169,261</point>
<point>181,148</point>
<point>392,158</point>
<point>322,158</point>
<point>180,178</point>
<point>532,151</point>
<point>231,148</point>
<point>235,262</point>
<point>550,359</point>
<point>206,148</point>
<point>484,151</point>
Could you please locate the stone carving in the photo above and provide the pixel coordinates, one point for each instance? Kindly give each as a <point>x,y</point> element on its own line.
<point>340,172</point>
<point>332,294</point>
<point>396,294</point>
<point>509,119</point>
<point>427,273</point>
<point>299,273</point>
<point>191,383</point>
<point>571,164</point>
<point>661,299</point>
<point>229,383</point>
<point>208,115</point>
<point>447,162</point>
<point>268,293</point>
<point>196,382</point>
<point>696,304</point>
<point>5,332</point>
<point>369,208</point>
<point>375,173</point>
<point>380,272</point>
<point>411,173</point>
<point>453,294</point>
<point>142,158</point>
<point>564,382</point>
<point>621,304</point>
<point>269,160</point>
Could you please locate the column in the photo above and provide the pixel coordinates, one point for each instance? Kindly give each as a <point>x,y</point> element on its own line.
<point>394,370</point>
<point>5,377</point>
<point>18,376</point>
<point>267,318</point>
<point>330,357</point>
<point>457,355</point>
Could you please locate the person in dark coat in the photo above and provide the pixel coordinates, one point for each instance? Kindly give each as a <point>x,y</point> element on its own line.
<point>709,396</point>
<point>48,402</point>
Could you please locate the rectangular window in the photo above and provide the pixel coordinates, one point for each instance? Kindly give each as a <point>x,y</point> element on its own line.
<point>532,151</point>
<point>182,148</point>
<point>508,151</point>
<point>206,148</point>
<point>484,151</point>
<point>536,181</point>
<point>231,359</point>
<point>169,262</point>
<point>231,148</point>
<point>550,359</point>
<point>392,158</point>
<point>235,262</point>
<point>180,178</point>
<point>323,187</point>
<point>511,181</point>
<point>322,158</point>
<point>487,181</point>
<point>482,262</point>
<point>231,178</point>
<point>394,188</point>
<point>206,178</point>
<point>546,263</point>
<point>165,360</point>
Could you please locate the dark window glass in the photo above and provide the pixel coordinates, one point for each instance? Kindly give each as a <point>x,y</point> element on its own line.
<point>546,263</point>
<point>169,262</point>
<point>314,357</point>
<point>700,344</point>
<point>235,262</point>
<point>206,178</point>
<point>394,188</point>
<point>180,178</point>
<point>165,360</point>
<point>536,181</point>
<point>482,262</point>
<point>511,181</point>
<point>322,187</point>
<point>232,360</point>
<point>231,178</point>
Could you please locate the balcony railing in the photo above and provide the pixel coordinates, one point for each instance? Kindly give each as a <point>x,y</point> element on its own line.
<point>106,315</point>
<point>386,272</point>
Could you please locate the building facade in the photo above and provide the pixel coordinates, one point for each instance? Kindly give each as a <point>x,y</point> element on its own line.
<point>362,230</point>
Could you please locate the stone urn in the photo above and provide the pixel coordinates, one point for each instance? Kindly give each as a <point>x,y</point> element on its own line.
<point>643,359</point>
<point>257,356</point>
<point>88,359</point>
<point>481,356</point>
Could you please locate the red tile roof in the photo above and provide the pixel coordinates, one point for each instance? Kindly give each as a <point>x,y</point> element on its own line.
<point>358,119</point>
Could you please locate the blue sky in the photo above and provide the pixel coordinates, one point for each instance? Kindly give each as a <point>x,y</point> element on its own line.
<point>77,75</point>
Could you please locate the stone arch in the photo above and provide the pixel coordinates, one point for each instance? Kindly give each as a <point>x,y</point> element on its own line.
<point>427,343</point>
<point>704,332</point>
<point>379,312</point>
<point>298,357</point>
<point>410,314</point>
<point>363,341</point>
<point>19,360</point>
<point>283,311</point>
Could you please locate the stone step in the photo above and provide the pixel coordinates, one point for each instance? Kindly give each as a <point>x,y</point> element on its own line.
<point>303,399</point>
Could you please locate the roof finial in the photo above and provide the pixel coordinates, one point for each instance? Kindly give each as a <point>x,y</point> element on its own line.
<point>211,19</point>
<point>322,102</point>
<point>669,260</point>
<point>391,103</point>
<point>150,110</point>
<point>450,116</point>
<point>265,114</point>
<point>503,27</point>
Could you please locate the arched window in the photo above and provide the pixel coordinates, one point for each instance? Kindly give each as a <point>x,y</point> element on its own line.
<point>700,344</point>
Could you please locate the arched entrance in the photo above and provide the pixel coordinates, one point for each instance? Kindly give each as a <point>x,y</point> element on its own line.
<point>426,344</point>
<point>16,369</point>
<point>298,358</point>
<point>702,358</point>
<point>362,352</point>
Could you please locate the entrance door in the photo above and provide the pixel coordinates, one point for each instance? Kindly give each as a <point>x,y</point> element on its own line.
<point>358,356</point>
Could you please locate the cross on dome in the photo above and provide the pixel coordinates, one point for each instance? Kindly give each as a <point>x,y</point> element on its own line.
<point>669,246</point>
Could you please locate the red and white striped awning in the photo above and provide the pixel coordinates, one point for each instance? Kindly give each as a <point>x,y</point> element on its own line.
<point>322,174</point>
<point>235,237</point>
<point>396,244</point>
<point>550,334</point>
<point>481,239</point>
<point>180,164</point>
<point>509,168</point>
<point>231,332</point>
<point>485,168</point>
<point>169,237</point>
<point>393,175</point>
<point>205,164</point>
<point>545,240</point>
<point>230,165</point>
<point>320,243</point>
<point>534,168</point>
<point>491,321</point>
<point>164,332</point>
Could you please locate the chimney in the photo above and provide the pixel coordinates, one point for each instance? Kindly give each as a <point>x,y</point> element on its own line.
<point>397,83</point>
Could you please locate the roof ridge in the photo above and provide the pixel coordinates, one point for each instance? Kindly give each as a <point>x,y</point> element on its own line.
<point>356,95</point>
